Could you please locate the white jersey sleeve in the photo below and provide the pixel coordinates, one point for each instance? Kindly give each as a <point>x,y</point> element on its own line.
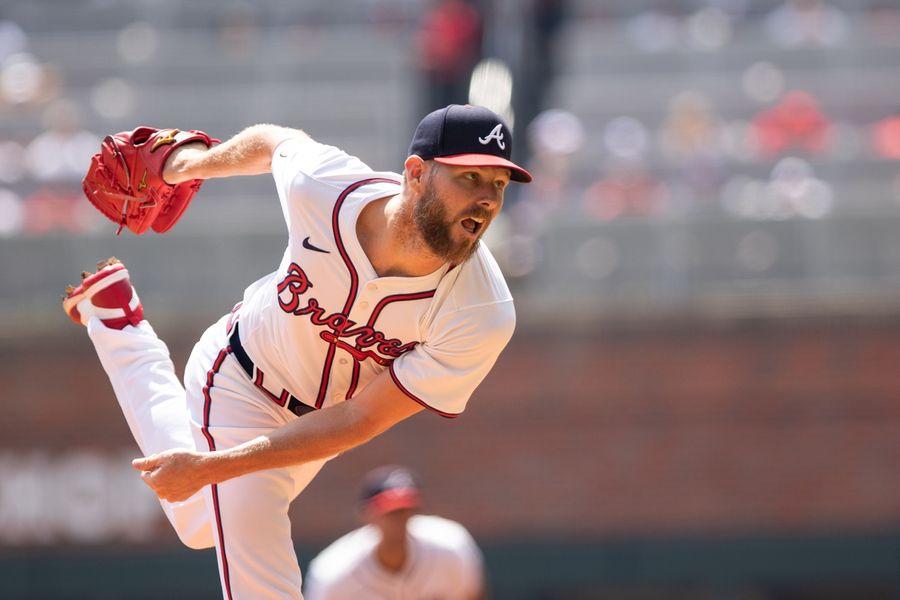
<point>310,160</point>
<point>304,169</point>
<point>472,321</point>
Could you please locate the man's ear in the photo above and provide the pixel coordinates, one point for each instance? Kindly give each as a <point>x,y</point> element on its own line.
<point>415,169</point>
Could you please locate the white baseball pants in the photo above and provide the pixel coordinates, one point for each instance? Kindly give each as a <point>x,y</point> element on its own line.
<point>246,518</point>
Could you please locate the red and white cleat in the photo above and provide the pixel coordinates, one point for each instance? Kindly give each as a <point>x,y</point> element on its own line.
<point>106,294</point>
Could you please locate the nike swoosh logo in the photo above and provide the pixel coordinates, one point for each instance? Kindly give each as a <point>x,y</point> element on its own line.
<point>309,246</point>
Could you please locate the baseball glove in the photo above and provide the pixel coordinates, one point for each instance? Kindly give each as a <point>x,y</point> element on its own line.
<point>125,179</point>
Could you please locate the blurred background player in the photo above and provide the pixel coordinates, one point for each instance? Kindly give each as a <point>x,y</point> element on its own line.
<point>398,553</point>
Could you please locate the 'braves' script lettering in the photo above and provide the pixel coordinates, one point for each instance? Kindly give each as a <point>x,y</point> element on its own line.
<point>339,325</point>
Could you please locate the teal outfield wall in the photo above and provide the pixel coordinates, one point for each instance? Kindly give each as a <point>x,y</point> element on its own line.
<point>861,567</point>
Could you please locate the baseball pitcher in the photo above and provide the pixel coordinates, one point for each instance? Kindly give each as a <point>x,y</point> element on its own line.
<point>385,302</point>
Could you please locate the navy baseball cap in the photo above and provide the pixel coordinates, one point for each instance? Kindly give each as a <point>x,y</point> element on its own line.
<point>390,488</point>
<point>469,136</point>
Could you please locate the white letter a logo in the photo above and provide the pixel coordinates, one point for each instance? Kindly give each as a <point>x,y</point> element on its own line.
<point>495,134</point>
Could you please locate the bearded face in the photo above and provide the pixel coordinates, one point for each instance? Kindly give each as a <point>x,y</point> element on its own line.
<point>449,237</point>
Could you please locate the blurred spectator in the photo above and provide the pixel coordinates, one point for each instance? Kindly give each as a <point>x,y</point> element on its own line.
<point>12,39</point>
<point>708,29</point>
<point>807,24</point>
<point>653,31</point>
<point>691,128</point>
<point>553,137</point>
<point>11,213</point>
<point>795,123</point>
<point>883,24</point>
<point>114,98</point>
<point>763,82</point>
<point>886,137</point>
<point>138,42</point>
<point>692,139</point>
<point>24,81</point>
<point>63,151</point>
<point>627,189</point>
<point>555,132</point>
<point>449,46</point>
<point>399,553</point>
<point>538,63</point>
<point>58,158</point>
<point>238,29</point>
<point>793,190</point>
<point>12,162</point>
<point>626,138</point>
<point>58,206</point>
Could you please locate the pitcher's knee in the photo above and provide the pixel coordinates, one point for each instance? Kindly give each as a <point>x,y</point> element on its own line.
<point>196,540</point>
<point>190,521</point>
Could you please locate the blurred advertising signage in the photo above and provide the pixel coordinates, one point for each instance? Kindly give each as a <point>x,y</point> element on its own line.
<point>81,497</point>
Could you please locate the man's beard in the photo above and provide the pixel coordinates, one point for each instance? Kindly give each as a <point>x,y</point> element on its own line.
<point>430,216</point>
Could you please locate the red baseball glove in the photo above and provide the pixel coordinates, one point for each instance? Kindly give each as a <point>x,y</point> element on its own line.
<point>125,179</point>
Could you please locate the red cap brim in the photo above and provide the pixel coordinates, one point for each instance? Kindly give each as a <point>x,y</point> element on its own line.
<point>393,499</point>
<point>486,160</point>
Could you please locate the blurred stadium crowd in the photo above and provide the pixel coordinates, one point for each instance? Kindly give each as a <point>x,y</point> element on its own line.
<point>668,138</point>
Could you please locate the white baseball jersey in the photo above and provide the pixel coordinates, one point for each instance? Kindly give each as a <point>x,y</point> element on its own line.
<point>319,328</point>
<point>444,563</point>
<point>325,324</point>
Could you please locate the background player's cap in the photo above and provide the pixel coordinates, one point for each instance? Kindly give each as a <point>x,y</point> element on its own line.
<point>389,488</point>
<point>466,136</point>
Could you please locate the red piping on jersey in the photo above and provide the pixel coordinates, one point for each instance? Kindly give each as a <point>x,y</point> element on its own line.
<point>207,406</point>
<point>354,276</point>
<point>260,376</point>
<point>417,399</point>
<point>326,371</point>
<point>376,312</point>
<point>354,380</point>
<point>231,318</point>
<point>279,400</point>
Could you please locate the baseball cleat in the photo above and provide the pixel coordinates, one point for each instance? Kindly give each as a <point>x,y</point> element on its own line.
<point>106,294</point>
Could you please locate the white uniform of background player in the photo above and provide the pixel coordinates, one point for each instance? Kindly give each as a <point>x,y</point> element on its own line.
<point>312,334</point>
<point>439,558</point>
